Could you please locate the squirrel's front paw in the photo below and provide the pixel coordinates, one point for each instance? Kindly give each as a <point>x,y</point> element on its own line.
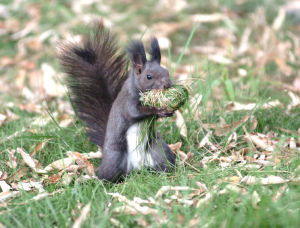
<point>162,112</point>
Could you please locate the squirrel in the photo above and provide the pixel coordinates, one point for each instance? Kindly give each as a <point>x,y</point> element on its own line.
<point>107,98</point>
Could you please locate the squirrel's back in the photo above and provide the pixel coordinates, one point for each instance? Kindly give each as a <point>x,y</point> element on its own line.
<point>96,71</point>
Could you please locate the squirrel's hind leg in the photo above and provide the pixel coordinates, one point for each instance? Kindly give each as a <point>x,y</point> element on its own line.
<point>112,167</point>
<point>164,159</point>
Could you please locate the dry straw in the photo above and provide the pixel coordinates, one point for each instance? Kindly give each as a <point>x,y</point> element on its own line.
<point>172,98</point>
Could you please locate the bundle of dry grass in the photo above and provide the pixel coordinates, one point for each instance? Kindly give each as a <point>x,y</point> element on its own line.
<point>172,98</point>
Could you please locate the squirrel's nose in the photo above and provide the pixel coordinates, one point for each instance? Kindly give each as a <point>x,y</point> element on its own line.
<point>168,84</point>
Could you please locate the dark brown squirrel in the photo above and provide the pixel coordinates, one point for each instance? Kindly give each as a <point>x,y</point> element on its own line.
<point>107,98</point>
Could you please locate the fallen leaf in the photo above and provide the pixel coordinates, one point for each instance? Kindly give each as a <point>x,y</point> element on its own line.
<point>280,193</point>
<point>12,162</point>
<point>4,186</point>
<point>134,206</point>
<point>6,195</point>
<point>165,189</point>
<point>18,175</point>
<point>260,141</point>
<point>82,162</point>
<point>204,201</point>
<point>175,147</point>
<point>279,19</point>
<point>229,188</point>
<point>60,164</point>
<point>28,186</point>
<point>30,161</point>
<point>194,222</point>
<point>264,181</point>
<point>273,180</point>
<point>222,129</point>
<point>236,106</point>
<point>180,123</point>
<point>217,58</point>
<point>3,175</point>
<point>204,18</point>
<point>40,146</point>
<point>83,215</point>
<point>253,123</point>
<point>46,194</point>
<point>50,85</point>
<point>255,199</point>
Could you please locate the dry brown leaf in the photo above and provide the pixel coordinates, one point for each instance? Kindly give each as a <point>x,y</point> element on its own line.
<point>285,69</point>
<point>194,222</point>
<point>60,164</point>
<point>115,222</point>
<point>32,163</point>
<point>18,175</point>
<point>3,118</point>
<point>20,79</point>
<point>295,100</point>
<point>255,198</point>
<point>28,186</point>
<point>82,162</point>
<point>46,194</point>
<point>165,189</point>
<point>204,18</point>
<point>145,210</point>
<point>126,209</point>
<point>40,146</point>
<point>217,58</point>
<point>253,123</point>
<point>279,19</point>
<point>180,123</point>
<point>233,179</point>
<point>280,193</point>
<point>296,83</point>
<point>3,175</point>
<point>7,138</point>
<point>12,162</point>
<point>83,215</point>
<point>204,201</point>
<point>6,195</point>
<point>202,186</point>
<point>65,120</point>
<point>53,179</point>
<point>175,147</point>
<point>222,129</point>
<point>261,141</point>
<point>264,181</point>
<point>51,87</point>
<point>249,180</point>
<point>67,178</point>
<point>273,180</point>
<point>171,6</point>
<point>205,140</point>
<point>4,186</point>
<point>229,188</point>
<point>91,155</point>
<point>236,106</point>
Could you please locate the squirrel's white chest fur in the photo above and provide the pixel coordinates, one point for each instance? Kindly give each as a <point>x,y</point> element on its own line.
<point>136,148</point>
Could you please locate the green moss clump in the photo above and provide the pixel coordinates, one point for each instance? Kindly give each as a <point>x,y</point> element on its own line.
<point>172,98</point>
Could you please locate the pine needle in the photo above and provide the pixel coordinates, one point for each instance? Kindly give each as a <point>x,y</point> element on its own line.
<point>172,98</point>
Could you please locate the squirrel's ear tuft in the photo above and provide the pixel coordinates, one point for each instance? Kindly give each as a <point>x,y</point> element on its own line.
<point>137,55</point>
<point>155,50</point>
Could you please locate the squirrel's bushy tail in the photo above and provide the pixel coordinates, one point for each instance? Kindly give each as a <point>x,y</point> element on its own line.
<point>96,71</point>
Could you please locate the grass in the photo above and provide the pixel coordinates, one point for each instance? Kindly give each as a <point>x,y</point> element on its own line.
<point>217,83</point>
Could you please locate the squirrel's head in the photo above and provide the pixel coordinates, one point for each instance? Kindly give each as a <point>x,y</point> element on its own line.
<point>148,74</point>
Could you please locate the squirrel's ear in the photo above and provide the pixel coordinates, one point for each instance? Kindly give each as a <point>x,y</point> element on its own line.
<point>137,56</point>
<point>155,51</point>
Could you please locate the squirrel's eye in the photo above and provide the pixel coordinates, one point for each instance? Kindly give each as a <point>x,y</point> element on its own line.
<point>149,76</point>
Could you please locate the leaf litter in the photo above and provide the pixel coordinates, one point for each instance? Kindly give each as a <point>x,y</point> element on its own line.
<point>251,151</point>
